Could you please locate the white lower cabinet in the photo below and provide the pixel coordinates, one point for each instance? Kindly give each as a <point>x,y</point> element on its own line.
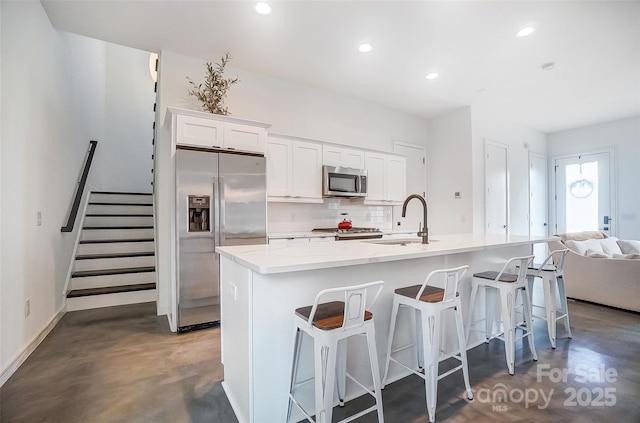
<point>294,170</point>
<point>386,178</point>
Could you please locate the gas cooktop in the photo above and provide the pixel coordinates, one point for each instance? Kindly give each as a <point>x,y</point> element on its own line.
<point>353,233</point>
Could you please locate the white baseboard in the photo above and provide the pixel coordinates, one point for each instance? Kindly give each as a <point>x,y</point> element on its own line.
<point>17,360</point>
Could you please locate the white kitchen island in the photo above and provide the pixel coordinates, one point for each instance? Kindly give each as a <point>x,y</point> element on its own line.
<point>262,285</point>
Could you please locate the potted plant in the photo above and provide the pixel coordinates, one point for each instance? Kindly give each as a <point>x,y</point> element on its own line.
<point>213,90</point>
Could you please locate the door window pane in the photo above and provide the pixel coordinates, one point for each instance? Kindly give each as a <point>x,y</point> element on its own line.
<point>582,197</point>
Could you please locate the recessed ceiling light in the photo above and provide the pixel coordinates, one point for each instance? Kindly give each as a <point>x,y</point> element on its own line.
<point>548,66</point>
<point>524,32</point>
<point>432,75</point>
<point>263,8</point>
<point>365,48</point>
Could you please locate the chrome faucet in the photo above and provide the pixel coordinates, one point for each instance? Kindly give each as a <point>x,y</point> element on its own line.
<point>424,233</point>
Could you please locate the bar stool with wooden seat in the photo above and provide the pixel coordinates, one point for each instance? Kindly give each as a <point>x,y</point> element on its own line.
<point>506,285</point>
<point>551,271</point>
<point>329,324</point>
<point>429,302</point>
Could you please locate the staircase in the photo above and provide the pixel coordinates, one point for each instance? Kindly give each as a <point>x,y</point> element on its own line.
<point>115,258</point>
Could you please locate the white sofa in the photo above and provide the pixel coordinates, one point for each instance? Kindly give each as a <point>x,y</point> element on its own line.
<point>595,270</point>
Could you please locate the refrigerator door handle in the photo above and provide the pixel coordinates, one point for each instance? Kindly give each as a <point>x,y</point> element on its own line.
<point>220,232</point>
<point>216,213</point>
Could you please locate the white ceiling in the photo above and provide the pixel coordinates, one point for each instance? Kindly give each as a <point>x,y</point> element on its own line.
<point>595,46</point>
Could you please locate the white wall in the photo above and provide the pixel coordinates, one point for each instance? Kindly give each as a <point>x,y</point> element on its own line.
<point>449,171</point>
<point>624,137</point>
<point>521,140</point>
<point>292,109</point>
<point>113,91</point>
<point>41,158</point>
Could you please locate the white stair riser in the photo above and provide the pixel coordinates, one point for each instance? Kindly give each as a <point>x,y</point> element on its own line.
<point>112,280</point>
<point>120,198</point>
<point>118,221</point>
<point>113,209</point>
<point>120,234</point>
<point>113,263</point>
<point>115,247</point>
<point>110,300</point>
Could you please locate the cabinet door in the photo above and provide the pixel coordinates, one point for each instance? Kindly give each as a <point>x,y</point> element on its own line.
<point>396,178</point>
<point>376,181</point>
<point>198,132</point>
<point>340,156</point>
<point>244,137</point>
<point>278,167</point>
<point>352,158</point>
<point>306,167</point>
<point>330,155</point>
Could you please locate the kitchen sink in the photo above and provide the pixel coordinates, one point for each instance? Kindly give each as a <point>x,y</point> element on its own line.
<point>399,241</point>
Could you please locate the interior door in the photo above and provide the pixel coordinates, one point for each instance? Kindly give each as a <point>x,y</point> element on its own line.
<point>496,188</point>
<point>538,203</point>
<point>583,193</point>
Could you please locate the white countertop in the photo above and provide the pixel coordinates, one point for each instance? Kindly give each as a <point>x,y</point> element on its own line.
<point>281,258</point>
<point>310,234</point>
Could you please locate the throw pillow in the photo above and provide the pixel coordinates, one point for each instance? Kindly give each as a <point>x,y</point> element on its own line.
<point>627,256</point>
<point>596,254</point>
<point>629,247</point>
<point>610,246</point>
<point>581,247</point>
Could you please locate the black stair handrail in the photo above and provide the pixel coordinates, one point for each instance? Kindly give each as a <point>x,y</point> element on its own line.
<point>80,188</point>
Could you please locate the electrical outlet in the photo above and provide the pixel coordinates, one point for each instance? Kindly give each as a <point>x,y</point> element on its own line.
<point>27,308</point>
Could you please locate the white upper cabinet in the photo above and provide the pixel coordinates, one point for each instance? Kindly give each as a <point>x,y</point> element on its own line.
<point>386,178</point>
<point>294,170</point>
<point>333,155</point>
<point>199,129</point>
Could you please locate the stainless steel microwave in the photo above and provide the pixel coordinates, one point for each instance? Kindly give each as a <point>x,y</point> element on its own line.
<point>341,181</point>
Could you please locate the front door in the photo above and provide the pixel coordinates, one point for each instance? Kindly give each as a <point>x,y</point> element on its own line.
<point>583,190</point>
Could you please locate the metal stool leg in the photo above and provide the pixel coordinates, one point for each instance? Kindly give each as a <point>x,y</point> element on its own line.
<point>507,300</point>
<point>528,316</point>
<point>375,371</point>
<point>563,303</point>
<point>548,281</point>
<point>392,328</point>
<point>463,349</point>
<point>431,341</point>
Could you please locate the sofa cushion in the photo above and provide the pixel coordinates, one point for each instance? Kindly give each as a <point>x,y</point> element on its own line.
<point>627,256</point>
<point>581,247</point>
<point>596,254</point>
<point>581,236</point>
<point>629,246</point>
<point>610,246</point>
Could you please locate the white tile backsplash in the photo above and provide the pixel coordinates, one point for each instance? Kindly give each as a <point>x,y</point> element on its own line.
<point>287,217</point>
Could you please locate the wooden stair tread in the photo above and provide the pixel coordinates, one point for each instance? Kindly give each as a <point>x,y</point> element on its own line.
<point>121,193</point>
<point>119,215</point>
<point>110,290</point>
<point>116,227</point>
<point>107,241</point>
<point>115,255</point>
<point>120,271</point>
<point>102,203</point>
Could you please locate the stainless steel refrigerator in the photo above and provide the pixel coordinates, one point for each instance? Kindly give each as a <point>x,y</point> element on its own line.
<point>220,200</point>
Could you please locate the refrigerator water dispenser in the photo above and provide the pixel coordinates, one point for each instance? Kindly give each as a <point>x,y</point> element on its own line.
<point>199,213</point>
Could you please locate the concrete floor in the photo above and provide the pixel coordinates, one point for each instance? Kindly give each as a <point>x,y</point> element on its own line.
<point>122,364</point>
